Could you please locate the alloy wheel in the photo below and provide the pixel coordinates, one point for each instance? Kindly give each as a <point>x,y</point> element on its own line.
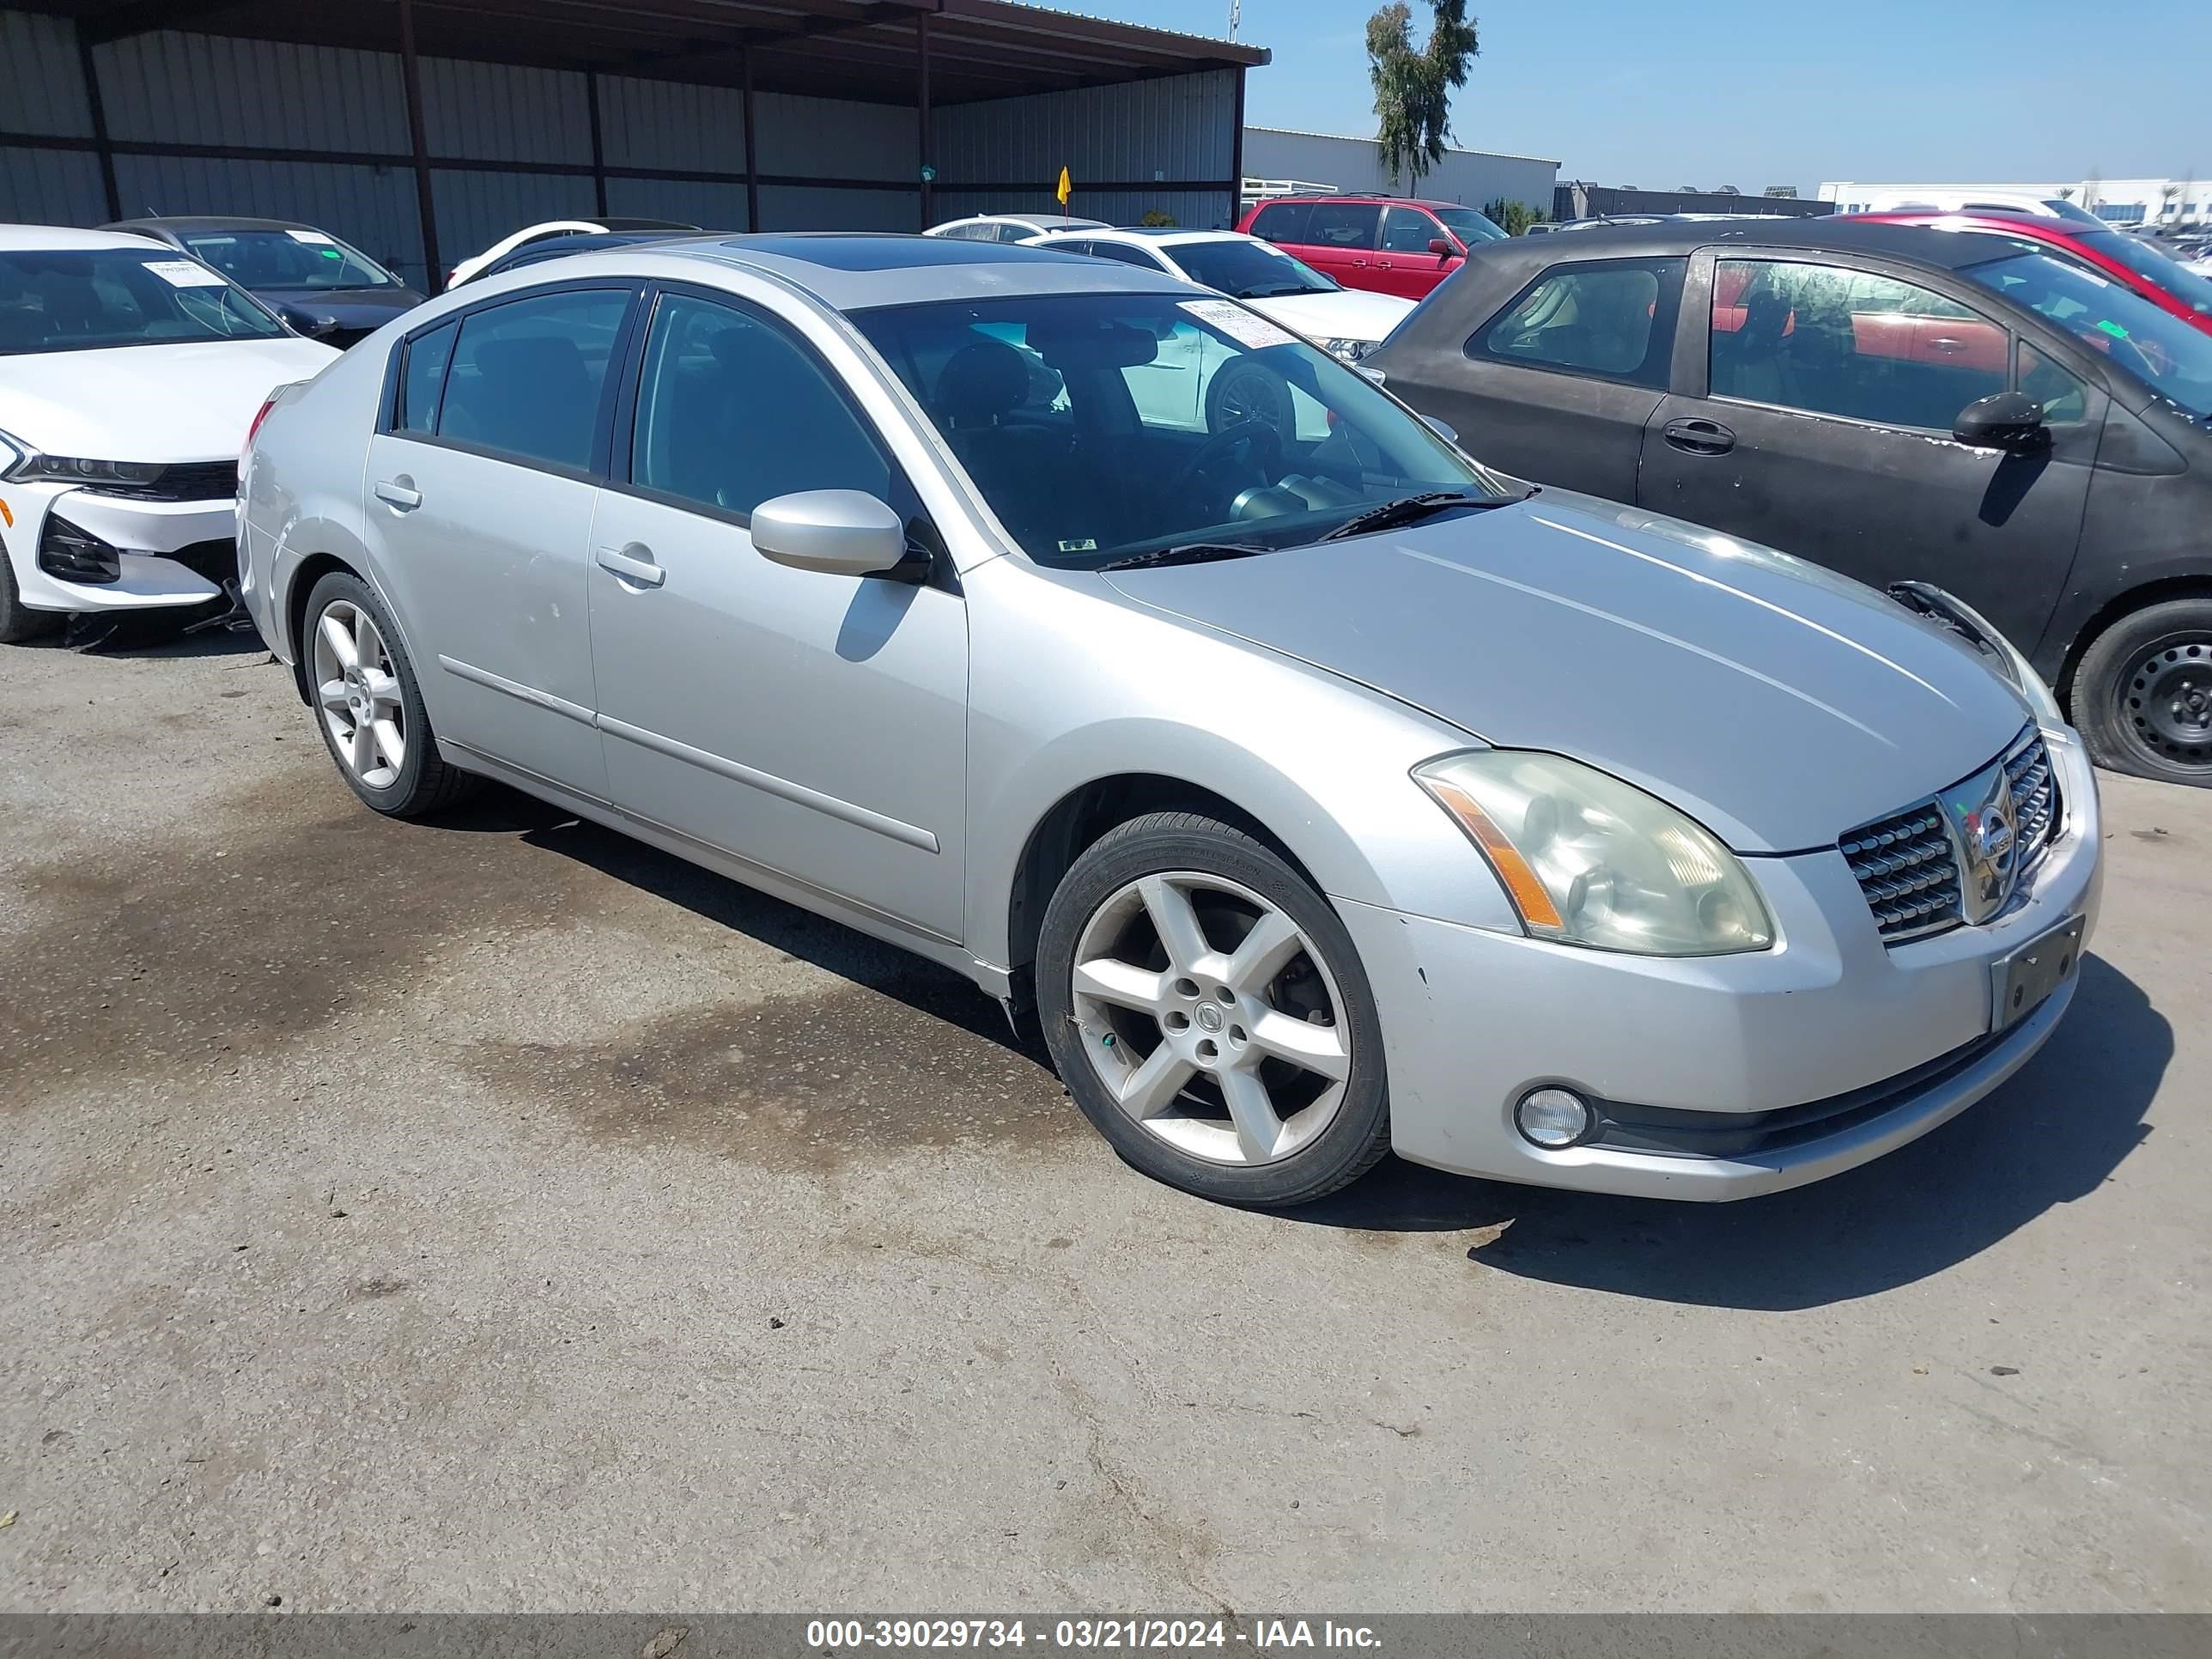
<point>359,693</point>
<point>1210,1017</point>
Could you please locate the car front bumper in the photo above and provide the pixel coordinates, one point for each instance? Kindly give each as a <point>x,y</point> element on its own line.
<point>1891,1042</point>
<point>172,553</point>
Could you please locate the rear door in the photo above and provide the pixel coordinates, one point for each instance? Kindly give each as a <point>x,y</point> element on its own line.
<point>478,501</point>
<point>1557,386</point>
<point>1340,240</point>
<point>1404,262</point>
<point>1819,420</point>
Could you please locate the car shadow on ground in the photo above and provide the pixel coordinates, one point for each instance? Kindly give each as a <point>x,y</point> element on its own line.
<point>131,636</point>
<point>2053,1133</point>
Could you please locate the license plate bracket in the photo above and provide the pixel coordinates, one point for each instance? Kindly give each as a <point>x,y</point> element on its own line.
<point>2020,983</point>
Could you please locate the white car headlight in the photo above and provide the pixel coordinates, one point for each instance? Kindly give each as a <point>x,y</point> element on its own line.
<point>1350,350</point>
<point>1588,859</point>
<point>62,469</point>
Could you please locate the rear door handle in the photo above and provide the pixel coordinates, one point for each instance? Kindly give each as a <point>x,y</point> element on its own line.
<point>399,495</point>
<point>1699,437</point>
<point>626,564</point>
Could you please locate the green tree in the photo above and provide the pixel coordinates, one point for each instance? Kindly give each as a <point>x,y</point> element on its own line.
<point>1514,217</point>
<point>1412,89</point>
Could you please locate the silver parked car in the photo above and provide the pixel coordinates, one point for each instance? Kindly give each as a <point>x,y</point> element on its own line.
<point>1326,792</point>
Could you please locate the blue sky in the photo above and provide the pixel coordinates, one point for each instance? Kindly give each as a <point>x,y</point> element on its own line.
<point>1640,93</point>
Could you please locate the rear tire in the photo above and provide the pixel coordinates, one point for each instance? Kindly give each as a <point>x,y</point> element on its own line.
<point>18,622</point>
<point>369,704</point>
<point>1209,1014</point>
<point>2143,695</point>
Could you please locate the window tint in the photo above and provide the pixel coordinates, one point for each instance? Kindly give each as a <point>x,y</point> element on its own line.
<point>1408,230</point>
<point>732,410</point>
<point>423,377</point>
<point>527,375</point>
<point>2061,392</point>
<point>1282,221</point>
<point>1342,224</point>
<point>1015,233</point>
<point>1614,320</point>
<point>1838,342</point>
<point>1124,252</point>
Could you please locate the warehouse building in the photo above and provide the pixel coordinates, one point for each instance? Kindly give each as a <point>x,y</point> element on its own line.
<point>422,130</point>
<point>1472,176</point>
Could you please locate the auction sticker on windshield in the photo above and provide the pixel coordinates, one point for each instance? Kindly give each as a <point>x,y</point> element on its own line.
<point>183,273</point>
<point>1245,327</point>
<point>312,238</point>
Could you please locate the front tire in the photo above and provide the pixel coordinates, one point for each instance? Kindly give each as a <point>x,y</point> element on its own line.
<point>1209,1014</point>
<point>2143,695</point>
<point>18,622</point>
<point>369,704</point>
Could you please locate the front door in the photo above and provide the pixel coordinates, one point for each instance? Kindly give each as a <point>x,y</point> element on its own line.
<point>477,507</point>
<point>1404,263</point>
<point>1339,242</point>
<point>1823,428</point>
<point>1558,386</point>
<point>813,725</point>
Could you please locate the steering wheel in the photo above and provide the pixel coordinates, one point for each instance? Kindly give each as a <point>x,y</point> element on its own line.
<point>1251,436</point>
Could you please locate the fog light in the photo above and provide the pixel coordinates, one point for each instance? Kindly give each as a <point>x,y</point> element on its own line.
<point>75,555</point>
<point>1554,1118</point>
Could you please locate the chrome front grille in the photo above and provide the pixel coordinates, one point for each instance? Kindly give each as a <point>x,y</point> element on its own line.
<point>2034,798</point>
<point>1908,871</point>
<point>1908,864</point>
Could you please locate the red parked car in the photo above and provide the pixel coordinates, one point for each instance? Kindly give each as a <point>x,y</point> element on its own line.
<point>1387,244</point>
<point>2166,283</point>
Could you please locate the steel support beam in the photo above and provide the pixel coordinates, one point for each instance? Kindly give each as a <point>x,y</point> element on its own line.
<point>426,201</point>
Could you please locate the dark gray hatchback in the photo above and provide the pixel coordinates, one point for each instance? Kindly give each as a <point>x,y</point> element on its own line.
<point>1895,401</point>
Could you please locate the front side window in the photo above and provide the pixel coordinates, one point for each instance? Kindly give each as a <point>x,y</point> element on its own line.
<point>1611,320</point>
<point>1833,341</point>
<point>1100,427</point>
<point>2174,358</point>
<point>1408,230</point>
<point>1123,253</point>
<point>732,410</point>
<point>98,299</point>
<point>526,376</point>
<point>308,260</point>
<point>1342,225</point>
<point>1471,228</point>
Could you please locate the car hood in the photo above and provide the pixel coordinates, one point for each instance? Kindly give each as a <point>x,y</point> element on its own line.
<point>1778,704</point>
<point>156,403</point>
<point>1347,314</point>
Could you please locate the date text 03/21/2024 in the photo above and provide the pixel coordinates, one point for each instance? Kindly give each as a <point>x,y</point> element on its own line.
<point>1259,1635</point>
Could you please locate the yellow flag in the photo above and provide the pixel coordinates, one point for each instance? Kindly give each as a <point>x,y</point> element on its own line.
<point>1067,187</point>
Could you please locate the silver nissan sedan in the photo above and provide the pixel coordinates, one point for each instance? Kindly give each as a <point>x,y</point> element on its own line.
<point>1322,792</point>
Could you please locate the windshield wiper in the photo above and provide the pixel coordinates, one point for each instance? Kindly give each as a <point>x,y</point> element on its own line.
<point>1188,553</point>
<point>1411,509</point>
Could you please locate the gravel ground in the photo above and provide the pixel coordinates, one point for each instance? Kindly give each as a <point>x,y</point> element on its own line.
<point>497,1214</point>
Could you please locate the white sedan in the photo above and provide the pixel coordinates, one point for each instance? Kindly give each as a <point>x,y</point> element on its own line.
<point>1347,323</point>
<point>133,374</point>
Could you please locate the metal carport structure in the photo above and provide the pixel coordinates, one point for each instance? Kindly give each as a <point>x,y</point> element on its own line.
<point>735,114</point>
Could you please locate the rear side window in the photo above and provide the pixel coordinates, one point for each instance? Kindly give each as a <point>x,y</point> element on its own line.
<point>422,378</point>
<point>732,410</point>
<point>1342,224</point>
<point>1613,320</point>
<point>1282,221</point>
<point>526,376</point>
<point>1125,253</point>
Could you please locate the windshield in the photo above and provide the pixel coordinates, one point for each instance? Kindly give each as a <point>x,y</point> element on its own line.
<point>2156,266</point>
<point>1100,426</point>
<point>1468,225</point>
<point>2155,346</point>
<point>90,299</point>
<point>286,258</point>
<point>1246,271</point>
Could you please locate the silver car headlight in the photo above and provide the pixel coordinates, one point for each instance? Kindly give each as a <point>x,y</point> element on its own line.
<point>1588,859</point>
<point>1350,350</point>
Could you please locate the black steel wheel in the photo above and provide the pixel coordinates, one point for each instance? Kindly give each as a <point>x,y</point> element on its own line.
<point>2143,695</point>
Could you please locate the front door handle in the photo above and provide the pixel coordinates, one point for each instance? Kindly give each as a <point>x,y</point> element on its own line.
<point>626,564</point>
<point>399,494</point>
<point>1699,437</point>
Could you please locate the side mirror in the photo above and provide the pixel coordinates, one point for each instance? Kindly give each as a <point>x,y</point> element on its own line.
<point>300,322</point>
<point>1441,429</point>
<point>840,533</point>
<point>2003,420</point>
<point>1439,246</point>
